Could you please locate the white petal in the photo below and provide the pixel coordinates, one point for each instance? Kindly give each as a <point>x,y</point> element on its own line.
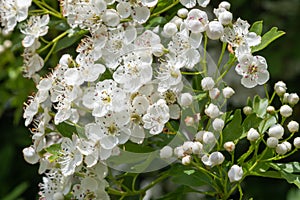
<point>109,142</point>
<point>28,41</point>
<point>263,77</point>
<point>141,14</point>
<point>248,82</point>
<point>123,9</point>
<point>203,3</point>
<point>188,3</point>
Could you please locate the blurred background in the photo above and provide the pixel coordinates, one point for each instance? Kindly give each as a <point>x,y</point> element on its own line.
<point>19,180</point>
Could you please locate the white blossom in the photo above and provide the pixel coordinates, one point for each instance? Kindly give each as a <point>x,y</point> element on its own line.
<point>272,142</point>
<point>252,135</point>
<point>293,126</point>
<point>212,111</point>
<point>276,131</point>
<point>166,152</point>
<point>297,142</point>
<point>229,146</point>
<point>235,173</point>
<point>207,83</point>
<point>228,92</point>
<point>215,158</point>
<point>280,88</point>
<point>214,30</point>
<point>286,111</point>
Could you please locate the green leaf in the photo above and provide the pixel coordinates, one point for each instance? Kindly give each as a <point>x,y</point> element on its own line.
<point>257,27</point>
<point>233,130</point>
<point>183,175</point>
<point>66,130</point>
<point>266,124</point>
<point>68,41</point>
<point>251,121</point>
<point>17,191</point>
<point>260,106</point>
<point>156,21</point>
<point>267,38</point>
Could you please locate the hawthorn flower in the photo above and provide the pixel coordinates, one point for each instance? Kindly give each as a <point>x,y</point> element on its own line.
<point>70,157</point>
<point>240,38</point>
<point>253,70</point>
<point>156,117</point>
<point>276,131</point>
<point>207,83</point>
<point>192,3</point>
<point>252,135</point>
<point>223,15</point>
<point>280,88</point>
<point>286,111</point>
<point>212,111</point>
<point>228,92</point>
<point>293,126</point>
<point>196,20</point>
<point>35,27</point>
<point>235,173</point>
<point>272,142</point>
<point>215,158</point>
<point>214,30</point>
<point>218,124</point>
<point>229,146</point>
<point>13,11</point>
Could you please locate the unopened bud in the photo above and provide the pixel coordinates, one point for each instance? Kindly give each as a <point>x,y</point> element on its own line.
<point>286,111</point>
<point>276,131</point>
<point>252,135</point>
<point>189,121</point>
<point>235,173</point>
<point>185,99</point>
<point>170,29</point>
<point>247,110</point>
<point>228,92</point>
<point>207,83</point>
<point>224,4</point>
<point>182,12</point>
<point>281,149</point>
<point>271,110</point>
<point>293,126</point>
<point>272,142</point>
<point>280,88</point>
<point>197,148</point>
<point>186,160</point>
<point>214,30</point>
<point>214,93</point>
<point>293,99</point>
<point>229,146</point>
<point>297,142</point>
<point>212,111</point>
<point>209,137</point>
<point>166,152</point>
<point>218,124</point>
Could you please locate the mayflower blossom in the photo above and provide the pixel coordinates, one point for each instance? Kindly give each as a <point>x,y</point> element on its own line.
<point>240,38</point>
<point>13,11</point>
<point>35,27</point>
<point>253,69</point>
<point>70,157</point>
<point>156,117</point>
<point>135,71</point>
<point>197,20</point>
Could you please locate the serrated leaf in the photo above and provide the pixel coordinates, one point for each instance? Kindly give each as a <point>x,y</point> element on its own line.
<point>257,27</point>
<point>233,130</point>
<point>267,38</point>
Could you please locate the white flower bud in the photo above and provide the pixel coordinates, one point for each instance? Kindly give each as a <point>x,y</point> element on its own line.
<point>207,83</point>
<point>189,121</point>
<point>225,17</point>
<point>30,155</point>
<point>272,142</point>
<point>186,160</point>
<point>229,146</point>
<point>179,152</point>
<point>235,173</point>
<point>271,110</point>
<point>212,111</point>
<point>224,4</point>
<point>280,88</point>
<point>247,110</point>
<point>187,147</point>
<point>166,152</point>
<point>197,148</point>
<point>199,136</point>
<point>276,131</point>
<point>218,124</point>
<point>214,93</point>
<point>293,99</point>
<point>158,50</point>
<point>185,99</point>
<point>228,92</point>
<point>170,29</point>
<point>286,111</point>
<point>182,12</point>
<point>58,196</point>
<point>214,30</point>
<point>252,135</point>
<point>297,142</point>
<point>285,98</point>
<point>110,17</point>
<point>216,158</point>
<point>293,126</point>
<point>281,149</point>
<point>209,137</point>
<point>288,145</point>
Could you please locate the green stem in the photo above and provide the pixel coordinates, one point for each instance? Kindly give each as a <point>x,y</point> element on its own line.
<point>228,65</point>
<point>204,62</point>
<point>273,96</point>
<point>221,55</point>
<point>191,73</point>
<point>55,40</point>
<point>266,91</point>
<point>47,9</point>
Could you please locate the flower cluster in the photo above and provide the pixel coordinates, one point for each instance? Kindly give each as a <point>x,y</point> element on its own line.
<point>126,84</point>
